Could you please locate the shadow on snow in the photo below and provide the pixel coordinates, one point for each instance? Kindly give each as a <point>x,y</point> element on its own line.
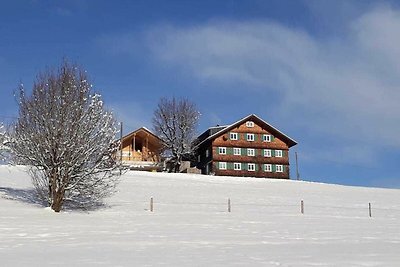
<point>30,196</point>
<point>23,195</point>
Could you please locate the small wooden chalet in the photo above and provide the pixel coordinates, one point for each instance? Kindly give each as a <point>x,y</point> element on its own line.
<point>248,147</point>
<point>141,150</point>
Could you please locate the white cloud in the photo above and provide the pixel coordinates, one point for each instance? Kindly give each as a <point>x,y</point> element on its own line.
<point>346,87</point>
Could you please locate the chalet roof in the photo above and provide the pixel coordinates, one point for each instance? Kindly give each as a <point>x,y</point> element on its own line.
<point>141,129</point>
<point>223,129</point>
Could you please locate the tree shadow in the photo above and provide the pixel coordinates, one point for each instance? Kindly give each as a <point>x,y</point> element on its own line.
<point>30,196</point>
<point>83,204</point>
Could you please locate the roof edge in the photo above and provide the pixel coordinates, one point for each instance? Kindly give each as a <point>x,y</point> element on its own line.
<point>137,130</point>
<point>291,142</point>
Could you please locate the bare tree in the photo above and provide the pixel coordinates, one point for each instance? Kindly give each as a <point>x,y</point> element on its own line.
<point>67,137</point>
<point>175,122</point>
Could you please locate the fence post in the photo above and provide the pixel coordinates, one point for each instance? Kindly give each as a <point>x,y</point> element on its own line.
<point>229,205</point>
<point>302,207</point>
<point>369,209</point>
<point>151,204</point>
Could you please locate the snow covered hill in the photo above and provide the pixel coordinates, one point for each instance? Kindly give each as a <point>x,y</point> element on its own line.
<point>190,224</point>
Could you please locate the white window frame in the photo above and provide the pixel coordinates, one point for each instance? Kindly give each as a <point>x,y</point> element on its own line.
<point>237,151</point>
<point>267,138</point>
<point>250,137</point>
<point>249,124</point>
<point>278,153</point>
<point>222,165</point>
<point>279,168</point>
<point>222,150</point>
<point>233,136</point>
<point>237,166</point>
<point>252,168</point>
<point>268,167</point>
<point>267,153</point>
<point>207,153</point>
<point>251,152</point>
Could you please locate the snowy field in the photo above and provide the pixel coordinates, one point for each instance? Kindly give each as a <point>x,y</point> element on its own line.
<point>190,224</point>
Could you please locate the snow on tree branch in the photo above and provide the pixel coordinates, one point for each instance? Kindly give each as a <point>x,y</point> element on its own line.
<point>4,149</point>
<point>64,132</point>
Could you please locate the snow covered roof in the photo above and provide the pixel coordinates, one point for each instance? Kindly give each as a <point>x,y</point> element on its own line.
<point>291,142</point>
<point>139,130</point>
<point>147,129</point>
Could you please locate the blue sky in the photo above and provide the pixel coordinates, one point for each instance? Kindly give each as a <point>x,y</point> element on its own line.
<point>326,73</point>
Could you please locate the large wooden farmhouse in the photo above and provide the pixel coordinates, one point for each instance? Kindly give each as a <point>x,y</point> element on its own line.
<point>141,149</point>
<point>248,147</point>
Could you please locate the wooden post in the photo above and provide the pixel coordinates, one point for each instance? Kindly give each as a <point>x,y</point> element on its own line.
<point>229,205</point>
<point>151,204</point>
<point>134,145</point>
<point>297,167</point>
<point>146,149</point>
<point>302,207</point>
<point>369,209</point>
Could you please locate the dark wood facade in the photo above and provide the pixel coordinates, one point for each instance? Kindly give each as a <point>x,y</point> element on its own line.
<point>250,147</point>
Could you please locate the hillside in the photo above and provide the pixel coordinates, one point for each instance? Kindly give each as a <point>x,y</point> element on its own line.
<point>190,225</point>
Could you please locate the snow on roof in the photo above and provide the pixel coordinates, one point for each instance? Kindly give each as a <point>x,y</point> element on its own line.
<point>218,126</point>
<point>291,141</point>
<point>141,128</point>
<point>147,129</point>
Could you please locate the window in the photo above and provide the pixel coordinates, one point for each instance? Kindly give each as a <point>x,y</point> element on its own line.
<point>268,167</point>
<point>207,153</point>
<point>251,167</point>
<point>222,165</point>
<point>267,138</point>
<point>267,153</point>
<point>251,152</point>
<point>278,153</point>
<point>233,136</point>
<point>236,151</point>
<point>279,168</point>
<point>249,124</point>
<point>250,137</point>
<point>222,150</point>
<point>198,158</point>
<point>237,166</point>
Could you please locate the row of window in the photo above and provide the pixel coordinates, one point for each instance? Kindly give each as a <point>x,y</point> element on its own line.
<point>251,152</point>
<point>249,124</point>
<point>250,137</point>
<point>238,166</point>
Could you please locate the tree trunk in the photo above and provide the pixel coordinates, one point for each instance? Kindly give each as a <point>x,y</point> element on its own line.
<point>57,201</point>
<point>177,164</point>
<point>51,174</point>
<point>57,192</point>
<point>176,167</point>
